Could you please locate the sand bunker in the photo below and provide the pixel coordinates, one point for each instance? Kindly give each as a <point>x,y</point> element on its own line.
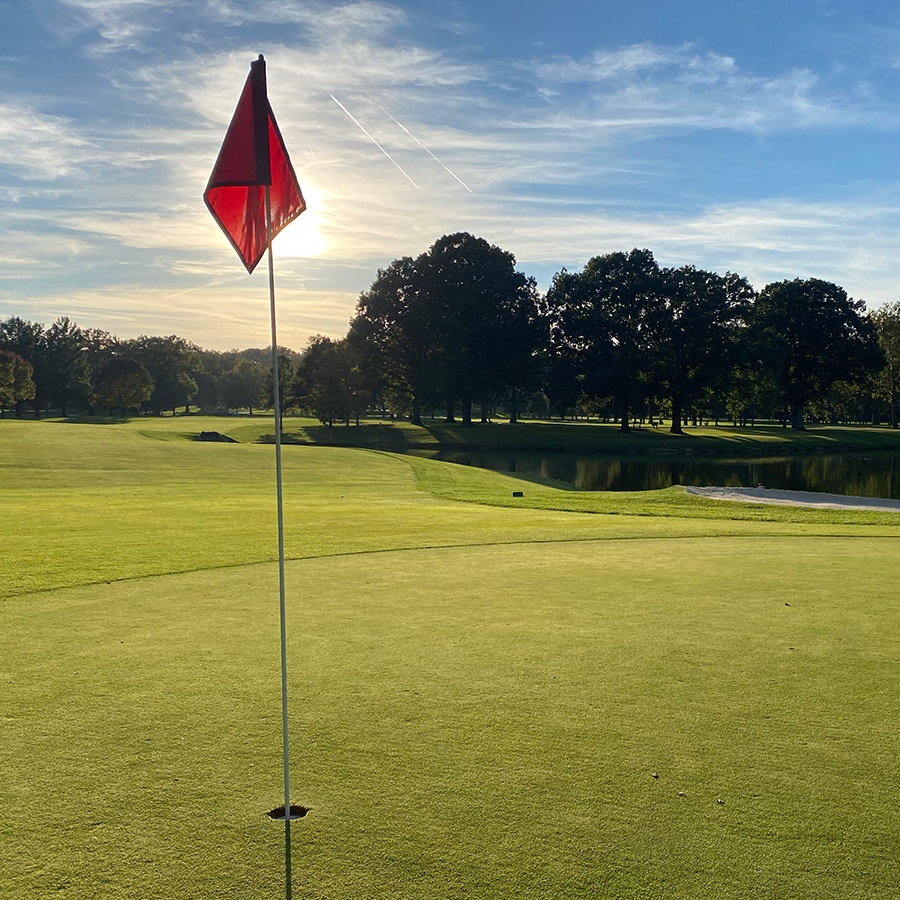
<point>795,498</point>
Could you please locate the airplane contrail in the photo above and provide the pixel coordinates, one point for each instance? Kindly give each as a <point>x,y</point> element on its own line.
<point>369,136</point>
<point>401,125</point>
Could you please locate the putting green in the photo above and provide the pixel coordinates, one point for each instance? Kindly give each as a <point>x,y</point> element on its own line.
<point>465,721</point>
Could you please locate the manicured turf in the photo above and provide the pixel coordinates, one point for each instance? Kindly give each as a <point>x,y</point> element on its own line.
<point>480,695</point>
<point>96,503</point>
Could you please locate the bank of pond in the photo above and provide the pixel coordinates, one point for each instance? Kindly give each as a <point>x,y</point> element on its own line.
<point>871,474</point>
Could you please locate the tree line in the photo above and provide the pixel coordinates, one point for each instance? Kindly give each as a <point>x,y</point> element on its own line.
<point>69,369</point>
<point>459,328</point>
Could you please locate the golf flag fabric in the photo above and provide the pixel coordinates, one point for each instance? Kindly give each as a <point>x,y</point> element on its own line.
<point>252,157</point>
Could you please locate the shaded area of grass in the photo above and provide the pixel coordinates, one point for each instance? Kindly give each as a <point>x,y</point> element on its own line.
<point>531,435</point>
<point>586,437</point>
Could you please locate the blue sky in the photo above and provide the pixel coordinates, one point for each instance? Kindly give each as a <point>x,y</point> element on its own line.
<point>757,138</point>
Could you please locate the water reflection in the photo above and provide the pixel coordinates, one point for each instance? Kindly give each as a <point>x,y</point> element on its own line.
<point>858,475</point>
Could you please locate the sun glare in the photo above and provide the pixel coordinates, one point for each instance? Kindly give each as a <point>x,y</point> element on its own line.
<point>304,236</point>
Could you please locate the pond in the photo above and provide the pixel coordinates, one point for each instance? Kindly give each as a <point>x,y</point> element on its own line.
<point>860,475</point>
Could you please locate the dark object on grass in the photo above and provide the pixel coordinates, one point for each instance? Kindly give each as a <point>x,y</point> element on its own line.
<point>518,493</point>
<point>297,812</point>
<point>215,436</point>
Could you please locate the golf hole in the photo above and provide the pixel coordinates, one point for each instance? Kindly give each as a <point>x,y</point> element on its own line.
<point>297,812</point>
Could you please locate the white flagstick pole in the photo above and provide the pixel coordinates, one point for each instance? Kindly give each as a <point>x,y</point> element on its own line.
<point>284,709</point>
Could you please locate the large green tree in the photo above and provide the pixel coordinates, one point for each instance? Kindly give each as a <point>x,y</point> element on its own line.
<point>25,338</point>
<point>122,384</point>
<point>816,335</point>
<point>457,323</point>
<point>396,331</point>
<point>322,380</point>
<point>67,371</point>
<point>242,385</point>
<point>487,316</point>
<point>886,321</point>
<point>16,383</point>
<point>171,362</point>
<point>693,334</point>
<point>599,318</point>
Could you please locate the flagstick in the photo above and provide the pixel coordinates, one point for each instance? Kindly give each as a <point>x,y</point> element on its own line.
<point>276,391</point>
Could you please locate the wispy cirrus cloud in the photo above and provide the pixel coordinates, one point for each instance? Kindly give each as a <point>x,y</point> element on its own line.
<point>121,25</point>
<point>40,147</point>
<point>364,19</point>
<point>647,87</point>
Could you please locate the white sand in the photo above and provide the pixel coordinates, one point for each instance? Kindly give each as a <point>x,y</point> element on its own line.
<point>795,498</point>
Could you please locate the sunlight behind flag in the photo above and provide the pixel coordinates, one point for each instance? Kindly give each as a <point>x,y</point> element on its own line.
<point>306,235</point>
<point>252,158</point>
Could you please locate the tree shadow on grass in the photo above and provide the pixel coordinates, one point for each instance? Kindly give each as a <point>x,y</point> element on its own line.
<point>96,420</point>
<point>372,436</point>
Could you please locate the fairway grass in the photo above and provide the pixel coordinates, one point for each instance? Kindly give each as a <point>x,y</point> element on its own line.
<point>97,503</point>
<point>480,694</point>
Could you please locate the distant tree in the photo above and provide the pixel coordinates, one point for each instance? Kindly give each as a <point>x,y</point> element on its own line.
<point>886,321</point>
<point>693,334</point>
<point>285,385</point>
<point>816,335</point>
<point>123,384</point>
<point>208,371</point>
<point>845,401</point>
<point>599,319</point>
<point>171,362</point>
<point>242,385</point>
<point>322,380</point>
<point>24,338</point>
<point>67,372</point>
<point>263,355</point>
<point>561,378</point>
<point>16,383</point>
<point>752,391</point>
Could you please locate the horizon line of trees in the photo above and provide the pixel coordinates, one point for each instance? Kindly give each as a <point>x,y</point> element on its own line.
<point>460,327</point>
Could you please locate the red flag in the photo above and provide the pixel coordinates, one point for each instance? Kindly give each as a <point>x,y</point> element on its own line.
<point>253,156</point>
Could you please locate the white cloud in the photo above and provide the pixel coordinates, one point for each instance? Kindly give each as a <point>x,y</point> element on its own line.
<point>652,88</point>
<point>605,65</point>
<point>121,24</point>
<point>849,242</point>
<point>364,19</point>
<point>37,146</point>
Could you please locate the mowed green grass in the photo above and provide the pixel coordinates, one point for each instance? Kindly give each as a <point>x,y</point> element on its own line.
<point>480,694</point>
